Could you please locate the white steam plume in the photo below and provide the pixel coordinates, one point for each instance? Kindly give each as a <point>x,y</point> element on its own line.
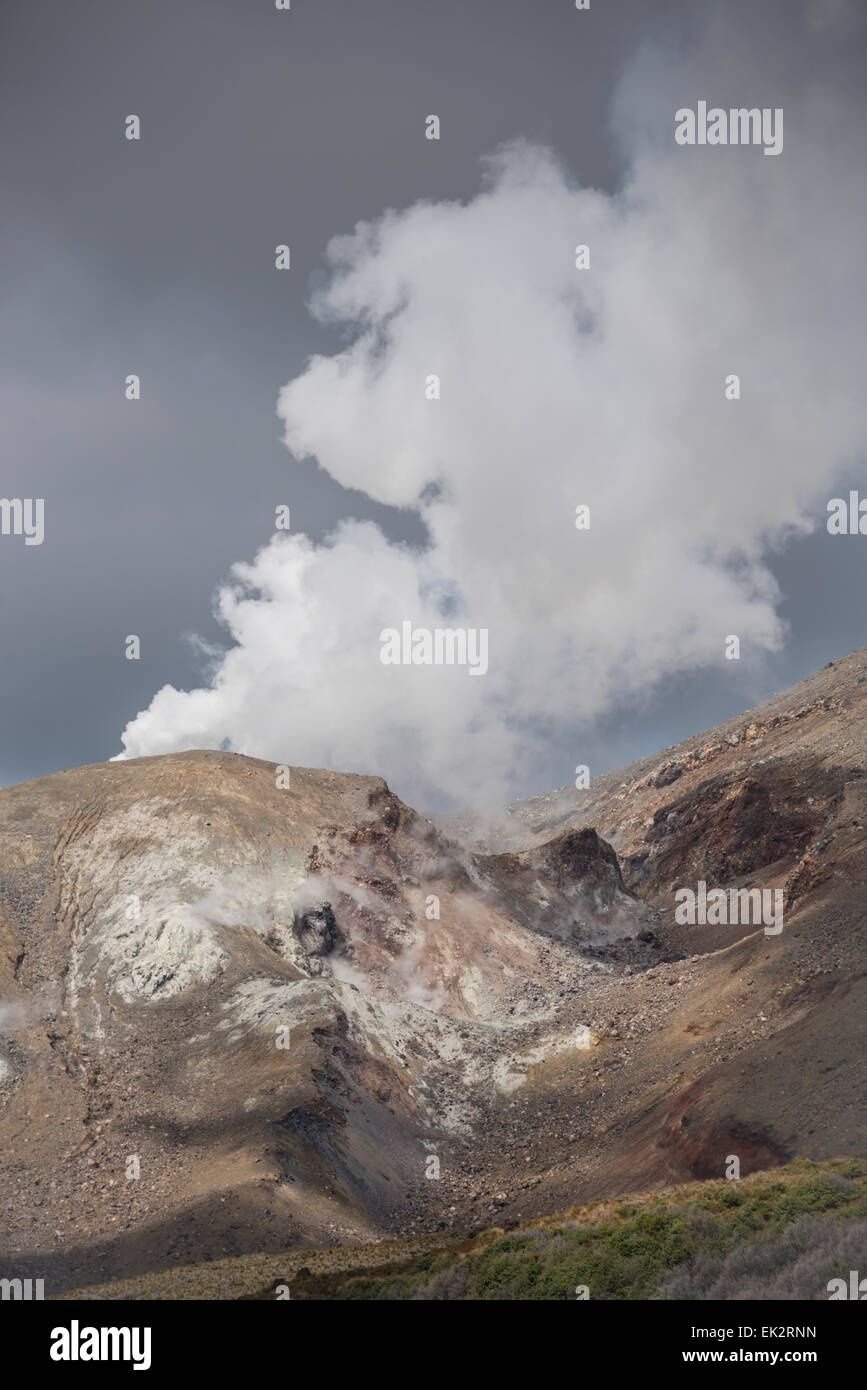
<point>559,386</point>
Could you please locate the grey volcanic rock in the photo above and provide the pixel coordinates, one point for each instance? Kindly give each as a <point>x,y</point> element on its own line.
<point>569,888</point>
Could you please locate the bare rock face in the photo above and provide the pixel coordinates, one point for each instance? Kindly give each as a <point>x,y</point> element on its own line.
<point>238,1017</point>
<point>569,888</point>
<point>317,932</point>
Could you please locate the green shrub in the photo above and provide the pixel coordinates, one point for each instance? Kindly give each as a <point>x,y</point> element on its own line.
<point>771,1238</point>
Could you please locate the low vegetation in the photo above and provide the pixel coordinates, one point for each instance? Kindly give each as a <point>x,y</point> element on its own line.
<point>781,1234</point>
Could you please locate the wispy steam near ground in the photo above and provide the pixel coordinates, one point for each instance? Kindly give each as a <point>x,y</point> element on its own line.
<point>602,386</point>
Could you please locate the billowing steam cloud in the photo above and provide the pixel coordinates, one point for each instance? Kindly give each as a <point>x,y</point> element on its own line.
<point>559,387</point>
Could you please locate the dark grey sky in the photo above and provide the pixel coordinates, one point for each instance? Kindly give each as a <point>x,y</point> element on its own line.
<point>157,258</point>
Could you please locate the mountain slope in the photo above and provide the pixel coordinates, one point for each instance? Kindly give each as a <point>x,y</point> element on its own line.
<point>477,1023</point>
